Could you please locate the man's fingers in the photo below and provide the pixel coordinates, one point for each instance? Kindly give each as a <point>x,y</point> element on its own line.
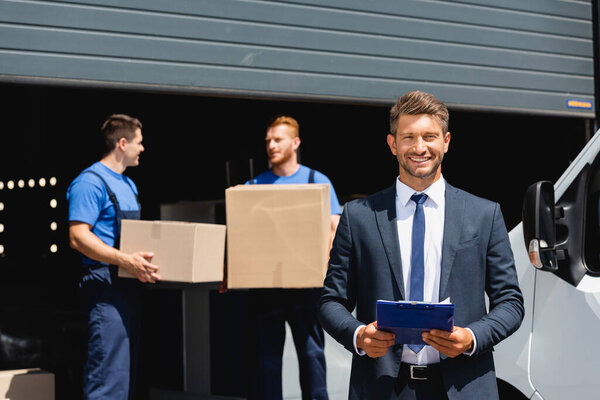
<point>376,354</point>
<point>378,339</point>
<point>381,340</point>
<point>383,335</point>
<point>442,349</point>
<point>451,348</point>
<point>146,254</point>
<point>441,346</point>
<point>151,276</point>
<point>430,339</point>
<point>374,343</point>
<point>148,275</point>
<point>441,333</point>
<point>437,339</point>
<point>155,276</point>
<point>151,267</point>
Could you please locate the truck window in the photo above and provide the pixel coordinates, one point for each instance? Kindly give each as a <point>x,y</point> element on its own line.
<point>592,222</point>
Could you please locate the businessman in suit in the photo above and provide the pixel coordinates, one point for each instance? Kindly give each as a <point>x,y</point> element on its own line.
<point>424,240</point>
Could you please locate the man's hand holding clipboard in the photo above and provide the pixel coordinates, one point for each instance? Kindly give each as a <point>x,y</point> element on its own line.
<point>424,323</point>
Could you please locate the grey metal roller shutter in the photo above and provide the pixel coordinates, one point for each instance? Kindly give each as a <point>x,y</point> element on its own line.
<point>485,54</point>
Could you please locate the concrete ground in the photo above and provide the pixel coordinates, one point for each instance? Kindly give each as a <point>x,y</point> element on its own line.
<point>338,361</point>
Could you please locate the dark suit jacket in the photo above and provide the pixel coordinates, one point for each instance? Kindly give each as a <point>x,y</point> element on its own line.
<point>365,266</point>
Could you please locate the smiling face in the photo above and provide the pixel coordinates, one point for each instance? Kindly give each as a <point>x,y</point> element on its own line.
<point>419,145</point>
<point>132,149</point>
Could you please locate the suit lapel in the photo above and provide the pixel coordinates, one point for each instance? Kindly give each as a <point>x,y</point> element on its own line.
<point>385,214</point>
<point>453,220</point>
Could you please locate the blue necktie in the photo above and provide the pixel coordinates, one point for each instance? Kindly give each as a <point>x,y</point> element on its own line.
<point>417,256</point>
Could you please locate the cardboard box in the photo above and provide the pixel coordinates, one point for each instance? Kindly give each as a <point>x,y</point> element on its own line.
<point>26,384</point>
<point>184,251</point>
<point>277,235</point>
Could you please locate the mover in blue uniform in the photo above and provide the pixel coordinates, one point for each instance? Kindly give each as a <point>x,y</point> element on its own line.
<point>99,198</point>
<point>299,307</point>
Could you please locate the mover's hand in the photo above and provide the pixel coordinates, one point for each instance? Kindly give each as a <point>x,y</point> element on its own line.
<point>138,264</point>
<point>452,343</point>
<point>374,342</point>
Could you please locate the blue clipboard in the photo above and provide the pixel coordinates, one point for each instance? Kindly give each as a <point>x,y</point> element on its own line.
<point>408,319</point>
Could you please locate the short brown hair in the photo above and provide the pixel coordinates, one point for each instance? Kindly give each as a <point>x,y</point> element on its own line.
<point>417,102</point>
<point>285,120</point>
<point>118,126</point>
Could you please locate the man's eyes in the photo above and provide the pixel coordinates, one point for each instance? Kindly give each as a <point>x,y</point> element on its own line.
<point>426,137</point>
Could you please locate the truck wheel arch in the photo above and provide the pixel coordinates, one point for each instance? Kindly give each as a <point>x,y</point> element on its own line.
<point>506,391</point>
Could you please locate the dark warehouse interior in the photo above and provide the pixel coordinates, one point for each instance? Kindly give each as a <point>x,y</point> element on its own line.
<point>53,132</point>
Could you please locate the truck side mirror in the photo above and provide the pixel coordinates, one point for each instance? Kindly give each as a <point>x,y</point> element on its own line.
<point>539,229</point>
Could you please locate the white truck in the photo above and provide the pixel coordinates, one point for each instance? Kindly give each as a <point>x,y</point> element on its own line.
<point>555,354</point>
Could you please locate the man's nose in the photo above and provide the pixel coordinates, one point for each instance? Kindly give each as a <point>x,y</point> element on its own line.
<point>420,145</point>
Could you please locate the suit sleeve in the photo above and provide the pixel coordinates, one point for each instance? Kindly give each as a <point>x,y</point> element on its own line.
<point>502,287</point>
<point>338,298</point>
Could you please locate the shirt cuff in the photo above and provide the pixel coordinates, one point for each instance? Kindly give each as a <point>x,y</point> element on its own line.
<point>358,351</point>
<point>470,353</point>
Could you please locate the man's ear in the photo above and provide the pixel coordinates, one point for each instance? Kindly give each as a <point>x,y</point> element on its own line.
<point>296,142</point>
<point>446,141</point>
<point>121,144</point>
<point>391,141</point>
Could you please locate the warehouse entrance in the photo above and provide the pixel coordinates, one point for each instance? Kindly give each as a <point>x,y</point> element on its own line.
<point>195,147</point>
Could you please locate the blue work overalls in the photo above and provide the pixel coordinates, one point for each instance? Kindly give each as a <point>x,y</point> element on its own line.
<point>113,308</point>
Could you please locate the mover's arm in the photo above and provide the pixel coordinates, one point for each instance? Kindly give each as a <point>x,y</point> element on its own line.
<point>82,239</point>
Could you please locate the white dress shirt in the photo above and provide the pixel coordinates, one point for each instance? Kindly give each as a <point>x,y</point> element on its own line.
<point>434,210</point>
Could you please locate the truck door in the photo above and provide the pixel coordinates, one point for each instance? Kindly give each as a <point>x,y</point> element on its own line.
<point>564,353</point>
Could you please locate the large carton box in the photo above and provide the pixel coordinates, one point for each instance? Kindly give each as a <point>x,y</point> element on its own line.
<point>26,384</point>
<point>277,235</point>
<point>184,251</point>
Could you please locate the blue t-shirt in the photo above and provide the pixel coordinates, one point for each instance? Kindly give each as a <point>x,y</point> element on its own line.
<point>89,201</point>
<point>300,176</point>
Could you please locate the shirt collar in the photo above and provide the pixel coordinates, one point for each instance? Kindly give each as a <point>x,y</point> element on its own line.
<point>435,192</point>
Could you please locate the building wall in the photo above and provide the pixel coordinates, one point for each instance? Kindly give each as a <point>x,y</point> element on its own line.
<point>475,54</point>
